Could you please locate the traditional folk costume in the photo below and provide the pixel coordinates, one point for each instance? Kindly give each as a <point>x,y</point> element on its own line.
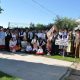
<point>40,51</point>
<point>2,39</point>
<point>12,45</point>
<point>28,48</point>
<point>70,48</point>
<point>77,44</point>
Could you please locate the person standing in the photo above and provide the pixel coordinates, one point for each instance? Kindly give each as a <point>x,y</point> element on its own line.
<point>7,39</point>
<point>77,44</point>
<point>2,39</point>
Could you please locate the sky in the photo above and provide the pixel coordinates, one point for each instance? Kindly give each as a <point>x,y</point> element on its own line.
<point>37,11</point>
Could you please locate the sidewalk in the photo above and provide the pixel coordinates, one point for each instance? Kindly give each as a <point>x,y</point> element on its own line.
<point>30,67</point>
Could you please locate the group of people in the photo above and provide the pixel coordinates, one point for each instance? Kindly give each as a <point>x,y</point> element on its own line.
<point>29,41</point>
<point>40,41</point>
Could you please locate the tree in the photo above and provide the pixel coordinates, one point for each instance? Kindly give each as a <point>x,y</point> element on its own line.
<point>32,26</point>
<point>49,26</point>
<point>1,10</point>
<point>40,27</point>
<point>65,22</point>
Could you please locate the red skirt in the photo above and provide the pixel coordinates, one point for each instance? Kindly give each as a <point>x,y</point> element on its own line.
<point>39,53</point>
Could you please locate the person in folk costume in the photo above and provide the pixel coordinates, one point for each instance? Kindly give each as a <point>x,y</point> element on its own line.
<point>28,48</point>
<point>22,37</point>
<point>35,44</point>
<point>42,43</point>
<point>40,34</point>
<point>18,45</point>
<point>24,44</point>
<point>7,39</point>
<point>48,47</point>
<point>70,48</point>
<point>55,48</point>
<point>40,51</point>
<point>17,34</point>
<point>30,36</point>
<point>2,39</point>
<point>21,34</point>
<point>27,35</point>
<point>77,44</point>
<point>13,34</point>
<point>12,44</point>
<point>69,43</point>
<point>43,35</point>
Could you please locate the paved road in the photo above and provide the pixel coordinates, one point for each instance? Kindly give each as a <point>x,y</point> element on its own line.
<point>30,67</point>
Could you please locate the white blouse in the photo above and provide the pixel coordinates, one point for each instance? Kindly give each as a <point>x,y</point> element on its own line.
<point>40,51</point>
<point>12,43</point>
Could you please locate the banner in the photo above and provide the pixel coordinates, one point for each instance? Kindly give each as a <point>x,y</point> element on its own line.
<point>50,32</point>
<point>61,42</point>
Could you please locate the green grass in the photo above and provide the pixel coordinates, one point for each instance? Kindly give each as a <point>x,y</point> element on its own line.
<point>70,59</point>
<point>4,76</point>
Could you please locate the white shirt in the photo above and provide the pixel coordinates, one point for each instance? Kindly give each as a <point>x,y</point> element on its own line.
<point>43,36</point>
<point>30,34</point>
<point>33,41</point>
<point>40,50</point>
<point>14,36</point>
<point>35,49</point>
<point>12,43</point>
<point>40,35</point>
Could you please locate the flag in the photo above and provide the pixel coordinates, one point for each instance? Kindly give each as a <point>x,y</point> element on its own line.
<point>50,33</point>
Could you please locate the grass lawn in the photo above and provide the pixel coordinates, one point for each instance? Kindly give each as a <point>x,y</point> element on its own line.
<point>4,76</point>
<point>70,59</point>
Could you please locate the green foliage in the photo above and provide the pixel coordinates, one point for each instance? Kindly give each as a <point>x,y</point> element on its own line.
<point>66,58</point>
<point>32,25</point>
<point>49,25</point>
<point>40,27</point>
<point>65,22</point>
<point>1,10</point>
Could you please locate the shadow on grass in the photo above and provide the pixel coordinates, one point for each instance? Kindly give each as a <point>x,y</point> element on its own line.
<point>4,74</point>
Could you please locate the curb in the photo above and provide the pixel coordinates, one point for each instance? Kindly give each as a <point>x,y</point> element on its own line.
<point>68,72</point>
